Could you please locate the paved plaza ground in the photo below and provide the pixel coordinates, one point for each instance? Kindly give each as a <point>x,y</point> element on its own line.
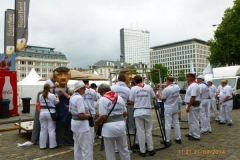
<point>222,143</point>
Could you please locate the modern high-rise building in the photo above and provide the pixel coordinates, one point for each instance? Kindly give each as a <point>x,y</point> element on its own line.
<point>180,55</point>
<point>134,46</point>
<point>43,59</point>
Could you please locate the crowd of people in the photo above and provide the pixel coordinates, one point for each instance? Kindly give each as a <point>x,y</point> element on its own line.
<point>84,109</point>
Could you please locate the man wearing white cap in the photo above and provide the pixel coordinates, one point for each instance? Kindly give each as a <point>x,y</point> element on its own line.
<point>83,146</point>
<point>192,99</point>
<point>205,106</point>
<point>212,91</point>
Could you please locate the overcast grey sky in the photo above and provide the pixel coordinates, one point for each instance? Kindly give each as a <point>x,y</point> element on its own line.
<point>89,31</point>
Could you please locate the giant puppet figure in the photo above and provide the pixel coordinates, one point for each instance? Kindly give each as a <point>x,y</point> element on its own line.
<point>130,120</point>
<point>64,134</point>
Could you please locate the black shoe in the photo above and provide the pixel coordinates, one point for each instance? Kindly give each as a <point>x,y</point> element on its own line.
<point>142,154</point>
<point>229,124</point>
<point>54,147</point>
<point>152,153</point>
<point>178,141</point>
<point>135,146</point>
<point>193,138</point>
<point>221,123</point>
<point>166,143</point>
<point>187,135</point>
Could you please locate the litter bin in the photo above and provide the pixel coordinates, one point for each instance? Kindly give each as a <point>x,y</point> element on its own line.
<point>4,108</point>
<point>26,105</point>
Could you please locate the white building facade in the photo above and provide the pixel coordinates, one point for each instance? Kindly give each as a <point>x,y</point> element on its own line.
<point>43,59</point>
<point>134,46</point>
<point>179,56</point>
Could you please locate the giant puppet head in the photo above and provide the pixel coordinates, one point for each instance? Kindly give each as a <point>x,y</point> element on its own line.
<point>62,76</point>
<point>128,75</point>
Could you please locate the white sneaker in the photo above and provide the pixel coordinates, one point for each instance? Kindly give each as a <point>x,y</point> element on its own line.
<point>203,132</point>
<point>216,119</point>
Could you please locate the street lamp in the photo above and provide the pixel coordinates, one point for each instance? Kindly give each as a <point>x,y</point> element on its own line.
<point>214,25</point>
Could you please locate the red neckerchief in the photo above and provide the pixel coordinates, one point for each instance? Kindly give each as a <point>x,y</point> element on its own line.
<point>192,82</point>
<point>112,96</point>
<point>141,85</point>
<point>87,86</point>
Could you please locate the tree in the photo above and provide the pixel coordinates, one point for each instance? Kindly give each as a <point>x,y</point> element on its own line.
<point>134,71</point>
<point>181,76</point>
<point>225,46</point>
<point>155,76</point>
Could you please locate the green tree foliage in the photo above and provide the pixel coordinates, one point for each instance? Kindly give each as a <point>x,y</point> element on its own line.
<point>134,71</point>
<point>155,75</point>
<point>181,76</point>
<point>226,41</point>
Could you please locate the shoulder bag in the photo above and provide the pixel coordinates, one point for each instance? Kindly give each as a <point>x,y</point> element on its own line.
<point>99,130</point>
<point>53,115</point>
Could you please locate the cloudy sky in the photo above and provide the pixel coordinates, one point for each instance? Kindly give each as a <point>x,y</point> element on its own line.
<point>89,31</point>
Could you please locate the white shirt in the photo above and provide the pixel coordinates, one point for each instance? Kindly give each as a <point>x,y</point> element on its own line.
<point>50,82</point>
<point>142,99</point>
<point>204,91</point>
<point>112,129</point>
<point>160,93</point>
<point>212,91</point>
<point>122,90</point>
<point>171,94</point>
<point>51,101</point>
<point>89,97</point>
<point>193,90</point>
<point>226,91</point>
<point>76,106</point>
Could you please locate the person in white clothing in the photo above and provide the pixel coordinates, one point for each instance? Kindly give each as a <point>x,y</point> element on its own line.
<point>48,126</point>
<point>192,99</point>
<point>159,97</point>
<point>205,106</point>
<point>52,82</point>
<point>90,97</point>
<point>123,91</point>
<point>141,96</point>
<point>226,103</point>
<point>170,97</point>
<point>114,127</point>
<point>213,90</point>
<point>83,146</point>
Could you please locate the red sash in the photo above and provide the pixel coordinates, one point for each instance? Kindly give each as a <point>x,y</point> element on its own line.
<point>141,85</point>
<point>112,96</point>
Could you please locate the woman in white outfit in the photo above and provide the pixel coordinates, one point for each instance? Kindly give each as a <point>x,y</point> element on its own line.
<point>48,126</point>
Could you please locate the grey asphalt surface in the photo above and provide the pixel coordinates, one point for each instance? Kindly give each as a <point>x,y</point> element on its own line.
<point>222,143</point>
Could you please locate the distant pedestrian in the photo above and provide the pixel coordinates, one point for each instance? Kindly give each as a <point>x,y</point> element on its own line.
<point>213,90</point>
<point>226,103</point>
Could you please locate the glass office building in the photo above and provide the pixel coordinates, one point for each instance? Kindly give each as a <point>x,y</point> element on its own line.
<point>134,46</point>
<point>179,55</point>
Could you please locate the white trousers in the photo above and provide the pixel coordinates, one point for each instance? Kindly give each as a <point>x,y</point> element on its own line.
<point>169,119</point>
<point>83,147</point>
<point>226,115</point>
<point>193,123</point>
<point>214,107</point>
<point>144,132</point>
<point>92,132</point>
<point>109,144</point>
<point>205,115</point>
<point>48,127</point>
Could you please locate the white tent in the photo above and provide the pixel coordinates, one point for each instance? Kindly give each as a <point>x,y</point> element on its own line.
<point>31,78</point>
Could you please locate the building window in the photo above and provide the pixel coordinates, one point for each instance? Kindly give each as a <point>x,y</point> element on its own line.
<point>30,63</point>
<point>37,69</point>
<point>22,62</point>
<point>22,75</point>
<point>23,68</point>
<point>44,69</point>
<point>37,63</point>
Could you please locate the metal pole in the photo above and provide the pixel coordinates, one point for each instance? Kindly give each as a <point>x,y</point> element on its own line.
<point>228,47</point>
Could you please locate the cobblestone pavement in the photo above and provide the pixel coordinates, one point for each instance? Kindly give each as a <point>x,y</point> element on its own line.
<point>222,143</point>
